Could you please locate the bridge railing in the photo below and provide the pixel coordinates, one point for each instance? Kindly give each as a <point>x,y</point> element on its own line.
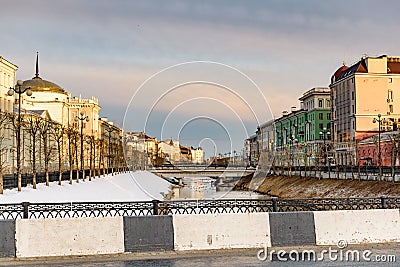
<point>27,210</point>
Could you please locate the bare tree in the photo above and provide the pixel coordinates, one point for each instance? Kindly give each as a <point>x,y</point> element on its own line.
<point>58,131</point>
<point>71,137</point>
<point>395,139</point>
<point>101,143</point>
<point>12,119</point>
<point>76,139</point>
<point>44,129</point>
<point>32,127</point>
<point>3,148</point>
<point>91,141</point>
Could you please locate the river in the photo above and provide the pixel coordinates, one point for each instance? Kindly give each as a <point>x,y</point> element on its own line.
<point>205,188</point>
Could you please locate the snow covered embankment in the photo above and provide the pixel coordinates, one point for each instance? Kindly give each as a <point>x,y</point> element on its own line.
<point>137,186</point>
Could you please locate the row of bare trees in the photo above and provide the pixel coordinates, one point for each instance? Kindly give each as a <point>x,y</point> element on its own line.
<point>48,146</point>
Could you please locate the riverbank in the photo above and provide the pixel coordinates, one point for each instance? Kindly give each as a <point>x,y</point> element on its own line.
<point>301,187</point>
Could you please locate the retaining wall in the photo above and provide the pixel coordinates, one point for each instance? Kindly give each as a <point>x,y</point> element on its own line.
<point>292,228</point>
<point>7,238</point>
<point>221,231</point>
<point>71,236</point>
<point>148,233</point>
<point>357,226</point>
<point>108,235</point>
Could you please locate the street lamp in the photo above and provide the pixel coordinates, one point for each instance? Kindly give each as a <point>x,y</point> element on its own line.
<point>380,121</point>
<point>82,117</point>
<point>324,134</point>
<point>109,130</point>
<point>285,136</point>
<point>19,90</point>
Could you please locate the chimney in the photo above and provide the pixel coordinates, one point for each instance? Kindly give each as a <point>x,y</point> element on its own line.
<point>284,113</point>
<point>292,109</point>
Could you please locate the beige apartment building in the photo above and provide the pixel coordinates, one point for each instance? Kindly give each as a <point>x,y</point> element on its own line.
<point>359,93</point>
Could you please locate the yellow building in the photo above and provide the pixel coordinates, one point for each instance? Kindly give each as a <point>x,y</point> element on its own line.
<point>359,93</point>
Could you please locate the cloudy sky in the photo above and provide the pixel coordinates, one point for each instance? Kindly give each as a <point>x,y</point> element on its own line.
<point>113,49</point>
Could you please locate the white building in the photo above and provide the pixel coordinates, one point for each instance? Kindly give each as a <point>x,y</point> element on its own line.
<point>7,79</point>
<point>197,155</point>
<point>62,107</point>
<point>170,149</point>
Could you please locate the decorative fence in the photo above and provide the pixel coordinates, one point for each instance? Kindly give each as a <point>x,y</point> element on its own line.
<point>147,208</point>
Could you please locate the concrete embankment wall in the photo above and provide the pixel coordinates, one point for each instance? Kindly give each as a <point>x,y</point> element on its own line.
<point>221,231</point>
<point>357,226</point>
<point>86,236</point>
<point>74,236</point>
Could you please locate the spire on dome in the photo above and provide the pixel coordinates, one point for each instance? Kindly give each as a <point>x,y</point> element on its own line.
<point>37,67</point>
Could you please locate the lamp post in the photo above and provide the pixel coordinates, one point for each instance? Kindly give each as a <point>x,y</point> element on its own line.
<point>379,121</point>
<point>19,90</point>
<point>109,130</point>
<point>82,117</point>
<point>324,133</point>
<point>294,139</point>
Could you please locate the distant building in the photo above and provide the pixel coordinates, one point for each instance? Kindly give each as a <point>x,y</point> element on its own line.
<point>266,136</point>
<point>251,150</point>
<point>170,149</point>
<point>197,155</point>
<point>110,137</point>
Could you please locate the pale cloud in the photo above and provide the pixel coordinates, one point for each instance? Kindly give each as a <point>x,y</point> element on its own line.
<point>109,48</point>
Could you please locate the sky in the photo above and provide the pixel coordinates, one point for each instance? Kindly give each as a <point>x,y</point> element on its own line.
<point>194,70</point>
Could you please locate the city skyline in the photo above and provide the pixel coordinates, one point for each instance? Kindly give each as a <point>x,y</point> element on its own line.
<point>109,49</point>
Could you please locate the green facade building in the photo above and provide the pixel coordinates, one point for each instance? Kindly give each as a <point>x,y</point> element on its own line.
<point>309,125</point>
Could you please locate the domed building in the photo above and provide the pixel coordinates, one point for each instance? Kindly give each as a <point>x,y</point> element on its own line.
<point>61,106</point>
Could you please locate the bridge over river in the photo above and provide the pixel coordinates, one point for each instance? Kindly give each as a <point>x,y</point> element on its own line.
<point>202,171</point>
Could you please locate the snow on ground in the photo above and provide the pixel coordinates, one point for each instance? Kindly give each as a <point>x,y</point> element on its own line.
<point>136,186</point>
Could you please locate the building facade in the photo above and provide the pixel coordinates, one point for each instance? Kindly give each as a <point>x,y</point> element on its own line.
<point>7,79</point>
<point>197,155</point>
<point>359,93</point>
<point>367,149</point>
<point>62,107</point>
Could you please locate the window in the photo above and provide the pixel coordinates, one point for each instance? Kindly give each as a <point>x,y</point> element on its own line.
<point>320,103</point>
<point>390,80</point>
<point>321,126</point>
<point>328,116</point>
<point>390,94</point>
<point>328,103</point>
<point>321,116</point>
<point>352,95</point>
<point>391,108</point>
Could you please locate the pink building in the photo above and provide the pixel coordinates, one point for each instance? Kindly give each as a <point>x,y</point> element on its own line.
<point>367,149</point>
